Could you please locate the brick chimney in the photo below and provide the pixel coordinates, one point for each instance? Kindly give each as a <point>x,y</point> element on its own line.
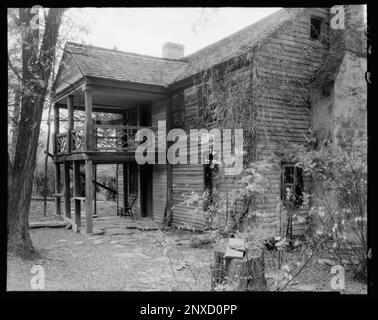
<point>172,50</point>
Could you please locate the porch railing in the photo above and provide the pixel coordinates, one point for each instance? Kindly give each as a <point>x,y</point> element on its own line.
<point>78,139</point>
<point>62,143</point>
<point>107,138</point>
<point>117,137</point>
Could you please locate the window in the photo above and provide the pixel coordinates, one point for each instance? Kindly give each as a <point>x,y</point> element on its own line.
<point>178,110</point>
<point>292,185</point>
<point>315,28</point>
<point>133,179</point>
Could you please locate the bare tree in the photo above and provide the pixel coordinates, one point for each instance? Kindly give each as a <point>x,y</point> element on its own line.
<point>37,56</point>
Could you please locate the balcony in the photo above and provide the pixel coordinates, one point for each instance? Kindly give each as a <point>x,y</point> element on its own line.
<point>112,140</point>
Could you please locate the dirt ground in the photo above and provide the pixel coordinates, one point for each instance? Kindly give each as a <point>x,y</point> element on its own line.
<point>135,261</point>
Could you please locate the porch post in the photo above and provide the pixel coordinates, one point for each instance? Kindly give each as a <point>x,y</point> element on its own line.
<point>58,207</point>
<point>77,192</point>
<point>94,190</point>
<point>88,196</point>
<point>89,132</point>
<point>56,128</point>
<point>57,165</point>
<point>67,198</point>
<point>168,205</point>
<point>70,121</point>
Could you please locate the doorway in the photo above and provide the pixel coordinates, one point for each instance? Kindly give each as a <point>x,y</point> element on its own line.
<point>146,191</point>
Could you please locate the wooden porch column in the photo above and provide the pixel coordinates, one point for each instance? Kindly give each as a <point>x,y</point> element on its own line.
<point>89,130</point>
<point>56,128</point>
<point>70,121</point>
<point>88,196</point>
<point>58,202</point>
<point>67,198</point>
<point>94,190</point>
<point>77,192</point>
<point>168,205</point>
<point>125,185</point>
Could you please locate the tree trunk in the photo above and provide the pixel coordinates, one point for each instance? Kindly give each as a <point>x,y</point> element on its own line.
<point>246,274</point>
<point>35,65</point>
<point>16,116</point>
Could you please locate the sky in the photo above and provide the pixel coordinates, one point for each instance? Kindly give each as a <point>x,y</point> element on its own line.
<point>144,30</point>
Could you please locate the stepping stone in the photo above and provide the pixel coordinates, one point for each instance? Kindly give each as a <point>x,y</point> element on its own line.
<point>125,255</point>
<point>118,231</point>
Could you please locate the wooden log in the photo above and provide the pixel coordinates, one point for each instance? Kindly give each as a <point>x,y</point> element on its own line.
<point>47,224</point>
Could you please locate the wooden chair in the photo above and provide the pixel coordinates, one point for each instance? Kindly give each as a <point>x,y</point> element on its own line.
<point>128,211</point>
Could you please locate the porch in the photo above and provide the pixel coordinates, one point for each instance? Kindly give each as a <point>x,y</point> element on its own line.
<point>102,119</point>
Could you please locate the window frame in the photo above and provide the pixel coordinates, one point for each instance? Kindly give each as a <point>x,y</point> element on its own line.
<point>298,180</point>
<point>321,28</point>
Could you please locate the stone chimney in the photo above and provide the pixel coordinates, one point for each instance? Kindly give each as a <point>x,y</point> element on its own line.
<point>172,50</point>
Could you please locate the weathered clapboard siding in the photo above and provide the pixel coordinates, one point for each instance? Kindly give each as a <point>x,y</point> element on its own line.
<point>159,192</point>
<point>186,179</point>
<point>159,172</point>
<point>285,65</point>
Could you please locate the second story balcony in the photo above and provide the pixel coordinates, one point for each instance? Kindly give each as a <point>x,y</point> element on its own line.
<point>103,138</point>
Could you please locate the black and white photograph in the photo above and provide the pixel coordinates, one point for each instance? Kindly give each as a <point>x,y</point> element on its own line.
<point>188,149</point>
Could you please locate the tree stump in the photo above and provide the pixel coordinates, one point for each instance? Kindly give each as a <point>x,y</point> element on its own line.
<point>245,274</point>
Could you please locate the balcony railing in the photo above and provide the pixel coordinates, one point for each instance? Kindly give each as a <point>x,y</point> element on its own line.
<point>107,138</point>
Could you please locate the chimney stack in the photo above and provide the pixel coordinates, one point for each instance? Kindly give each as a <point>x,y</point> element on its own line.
<point>173,50</point>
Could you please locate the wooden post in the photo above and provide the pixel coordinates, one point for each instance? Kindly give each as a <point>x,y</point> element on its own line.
<point>67,198</point>
<point>88,196</point>
<point>77,192</point>
<point>70,121</point>
<point>56,128</point>
<point>57,190</point>
<point>94,190</point>
<point>89,130</point>
<point>168,206</point>
<point>125,185</point>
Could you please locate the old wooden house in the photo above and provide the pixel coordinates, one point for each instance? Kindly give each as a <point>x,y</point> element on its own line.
<point>298,67</point>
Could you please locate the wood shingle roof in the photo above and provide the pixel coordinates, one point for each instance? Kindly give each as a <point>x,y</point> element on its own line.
<point>131,67</point>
